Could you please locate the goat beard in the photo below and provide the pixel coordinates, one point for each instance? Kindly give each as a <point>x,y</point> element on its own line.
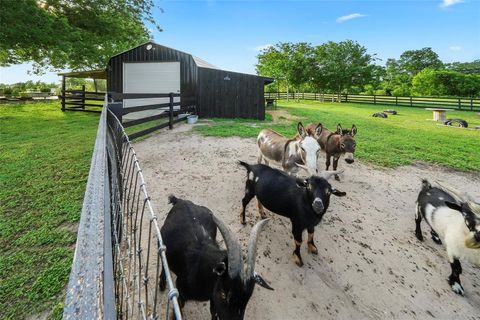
<point>471,243</point>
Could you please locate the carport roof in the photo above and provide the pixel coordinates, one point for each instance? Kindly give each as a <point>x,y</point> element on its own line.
<point>94,74</point>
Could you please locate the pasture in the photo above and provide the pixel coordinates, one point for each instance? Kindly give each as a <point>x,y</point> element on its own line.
<point>398,140</point>
<point>45,156</point>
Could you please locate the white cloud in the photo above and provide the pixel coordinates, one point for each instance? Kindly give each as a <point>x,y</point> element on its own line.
<point>448,3</point>
<point>263,47</point>
<point>351,16</point>
<point>455,48</point>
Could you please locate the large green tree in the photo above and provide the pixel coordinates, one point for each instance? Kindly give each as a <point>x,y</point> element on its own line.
<point>290,63</point>
<point>339,66</point>
<point>414,61</point>
<point>465,67</point>
<point>430,82</point>
<point>76,34</point>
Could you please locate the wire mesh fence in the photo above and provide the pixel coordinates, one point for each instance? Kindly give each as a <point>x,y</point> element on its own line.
<point>120,251</point>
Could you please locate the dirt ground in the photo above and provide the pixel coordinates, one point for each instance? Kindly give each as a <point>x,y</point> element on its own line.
<point>369,266</point>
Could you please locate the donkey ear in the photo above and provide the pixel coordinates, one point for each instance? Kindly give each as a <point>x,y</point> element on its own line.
<point>339,129</point>
<point>353,132</point>
<point>301,130</point>
<point>220,268</point>
<point>318,130</point>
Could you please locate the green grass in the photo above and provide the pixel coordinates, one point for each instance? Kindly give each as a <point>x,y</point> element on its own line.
<point>397,140</point>
<point>45,156</point>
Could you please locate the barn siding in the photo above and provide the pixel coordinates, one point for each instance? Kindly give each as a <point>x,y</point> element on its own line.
<point>239,97</point>
<point>158,53</point>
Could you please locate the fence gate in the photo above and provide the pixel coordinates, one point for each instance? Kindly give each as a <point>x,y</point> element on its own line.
<point>120,251</point>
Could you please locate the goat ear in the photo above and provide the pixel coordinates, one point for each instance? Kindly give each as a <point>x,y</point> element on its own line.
<point>301,130</point>
<point>260,281</point>
<point>339,129</point>
<point>453,205</point>
<point>338,193</point>
<point>220,268</point>
<point>318,129</point>
<point>353,132</point>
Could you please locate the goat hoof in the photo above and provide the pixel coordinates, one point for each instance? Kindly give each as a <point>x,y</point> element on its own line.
<point>298,260</point>
<point>419,236</point>
<point>312,248</point>
<point>243,222</point>
<point>337,177</point>
<point>457,288</point>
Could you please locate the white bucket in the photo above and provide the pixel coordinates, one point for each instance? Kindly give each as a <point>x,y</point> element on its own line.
<point>192,119</point>
<point>182,115</point>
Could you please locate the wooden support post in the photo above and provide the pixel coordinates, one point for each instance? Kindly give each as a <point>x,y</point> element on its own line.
<point>396,100</point>
<point>411,103</point>
<point>170,116</point>
<point>346,97</point>
<point>471,104</point>
<point>63,93</point>
<point>459,103</point>
<point>83,97</point>
<point>374,99</point>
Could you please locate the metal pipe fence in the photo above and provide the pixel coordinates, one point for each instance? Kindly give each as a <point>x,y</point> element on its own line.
<point>120,251</point>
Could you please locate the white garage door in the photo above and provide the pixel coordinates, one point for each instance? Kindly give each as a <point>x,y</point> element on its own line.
<point>150,77</point>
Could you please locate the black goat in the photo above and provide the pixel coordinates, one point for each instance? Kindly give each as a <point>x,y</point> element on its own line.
<point>303,201</point>
<point>455,222</point>
<point>194,256</point>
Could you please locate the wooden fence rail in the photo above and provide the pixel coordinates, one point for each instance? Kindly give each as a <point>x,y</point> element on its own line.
<point>77,100</point>
<point>458,103</point>
<point>167,111</point>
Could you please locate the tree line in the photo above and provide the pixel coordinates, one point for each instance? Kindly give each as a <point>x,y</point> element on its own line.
<point>21,88</point>
<point>346,67</point>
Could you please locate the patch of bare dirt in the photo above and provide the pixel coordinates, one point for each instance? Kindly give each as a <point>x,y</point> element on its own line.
<point>369,266</point>
<point>281,115</point>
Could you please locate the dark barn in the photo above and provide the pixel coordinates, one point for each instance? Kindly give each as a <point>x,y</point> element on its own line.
<point>152,68</point>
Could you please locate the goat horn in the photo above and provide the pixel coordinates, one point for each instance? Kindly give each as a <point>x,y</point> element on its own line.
<point>252,249</point>
<point>328,174</point>
<point>301,166</point>
<point>234,253</point>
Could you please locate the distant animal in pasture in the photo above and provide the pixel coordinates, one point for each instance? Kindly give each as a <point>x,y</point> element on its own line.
<point>303,201</point>
<point>455,222</point>
<point>335,144</point>
<point>204,271</point>
<point>380,115</point>
<point>390,111</point>
<point>293,154</point>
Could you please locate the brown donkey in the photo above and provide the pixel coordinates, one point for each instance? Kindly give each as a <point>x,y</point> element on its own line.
<point>335,143</point>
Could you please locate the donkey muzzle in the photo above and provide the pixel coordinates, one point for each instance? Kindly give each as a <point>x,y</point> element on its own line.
<point>349,158</point>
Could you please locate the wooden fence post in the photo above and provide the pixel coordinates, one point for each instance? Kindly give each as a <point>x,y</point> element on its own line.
<point>170,116</point>
<point>471,104</point>
<point>63,93</point>
<point>396,100</point>
<point>346,97</point>
<point>374,99</point>
<point>459,104</point>
<point>411,104</point>
<point>83,97</point>
<point>303,95</point>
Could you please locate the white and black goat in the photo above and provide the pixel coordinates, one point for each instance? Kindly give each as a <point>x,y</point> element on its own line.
<point>455,222</point>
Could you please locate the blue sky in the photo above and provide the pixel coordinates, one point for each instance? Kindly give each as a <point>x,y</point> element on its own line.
<point>229,33</point>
